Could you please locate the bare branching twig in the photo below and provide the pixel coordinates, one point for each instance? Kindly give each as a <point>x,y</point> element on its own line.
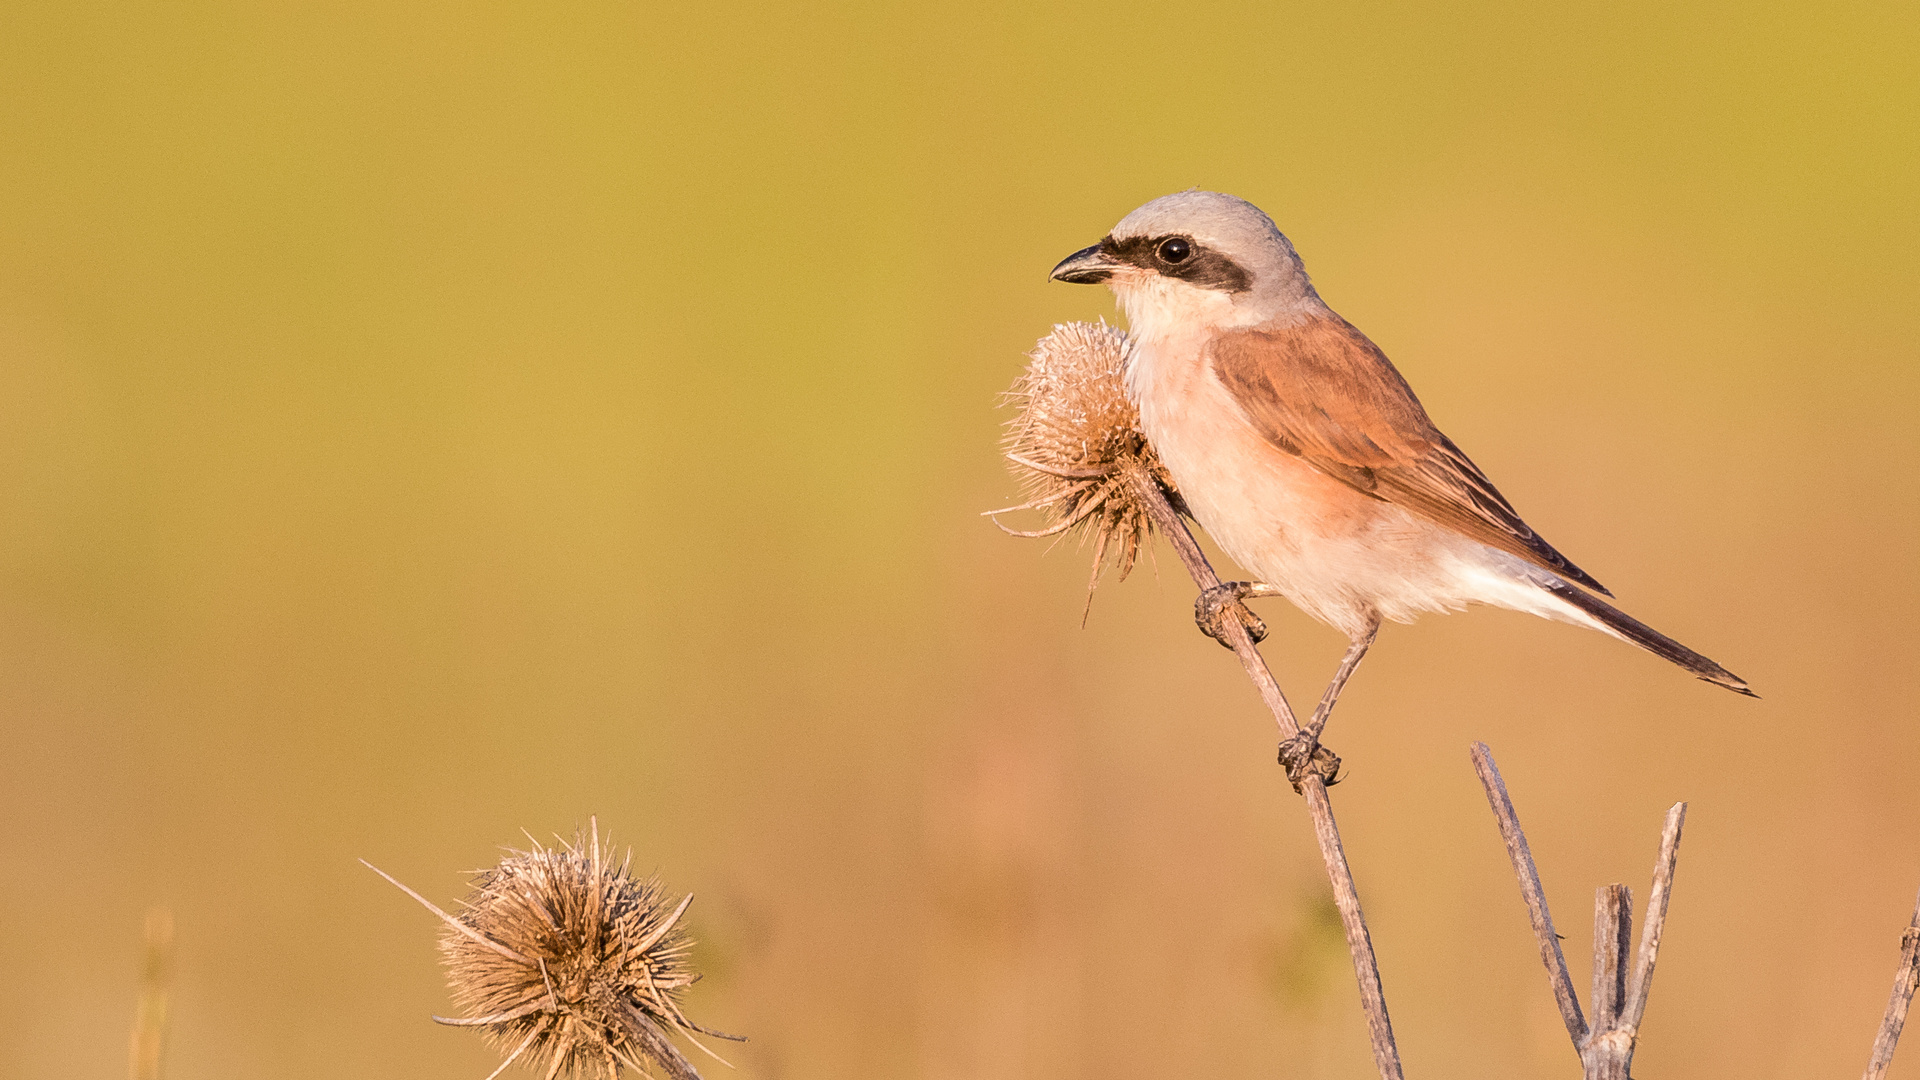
<point>1619,994</point>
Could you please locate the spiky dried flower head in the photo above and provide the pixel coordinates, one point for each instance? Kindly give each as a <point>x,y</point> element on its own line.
<point>564,959</point>
<point>1076,446</point>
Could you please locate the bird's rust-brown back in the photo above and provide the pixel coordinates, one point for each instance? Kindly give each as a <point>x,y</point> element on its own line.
<point>1323,392</point>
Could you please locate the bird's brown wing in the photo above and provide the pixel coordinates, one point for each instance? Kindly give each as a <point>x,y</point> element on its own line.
<point>1323,392</point>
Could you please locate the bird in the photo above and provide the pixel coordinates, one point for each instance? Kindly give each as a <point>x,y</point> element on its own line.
<point>1294,441</point>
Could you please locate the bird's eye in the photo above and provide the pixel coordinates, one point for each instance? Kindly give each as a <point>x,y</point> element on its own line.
<point>1175,250</point>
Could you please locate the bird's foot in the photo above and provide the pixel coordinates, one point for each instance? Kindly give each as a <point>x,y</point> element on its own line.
<point>1214,606</point>
<point>1303,756</point>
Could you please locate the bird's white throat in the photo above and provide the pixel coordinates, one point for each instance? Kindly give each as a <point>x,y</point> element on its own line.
<point>1158,309</point>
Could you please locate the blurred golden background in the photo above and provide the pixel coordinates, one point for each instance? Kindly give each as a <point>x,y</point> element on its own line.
<point>424,421</point>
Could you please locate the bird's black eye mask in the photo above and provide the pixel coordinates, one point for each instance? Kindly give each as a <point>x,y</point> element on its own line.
<point>1180,257</point>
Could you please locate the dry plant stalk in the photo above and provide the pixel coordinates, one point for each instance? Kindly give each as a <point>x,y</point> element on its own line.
<point>566,959</point>
<point>1076,443</point>
<point>1904,979</point>
<point>150,1020</point>
<point>1619,990</point>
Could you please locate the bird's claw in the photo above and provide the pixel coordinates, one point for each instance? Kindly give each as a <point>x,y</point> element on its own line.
<point>1215,605</point>
<point>1303,756</point>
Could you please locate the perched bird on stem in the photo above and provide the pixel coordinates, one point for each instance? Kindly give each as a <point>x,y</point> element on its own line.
<point>1296,444</point>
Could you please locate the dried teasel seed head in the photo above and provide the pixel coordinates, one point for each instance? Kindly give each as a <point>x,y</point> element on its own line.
<point>1075,444</point>
<point>571,965</point>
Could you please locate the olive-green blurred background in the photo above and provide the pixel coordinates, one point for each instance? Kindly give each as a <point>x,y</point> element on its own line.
<point>424,421</point>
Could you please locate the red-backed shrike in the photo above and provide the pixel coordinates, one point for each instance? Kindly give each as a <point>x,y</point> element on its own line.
<point>1296,444</point>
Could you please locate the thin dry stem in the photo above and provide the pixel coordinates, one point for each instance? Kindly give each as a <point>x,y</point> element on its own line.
<point>1366,968</point>
<point>1612,943</point>
<point>1656,925</point>
<point>150,1019</point>
<point>1905,977</point>
<point>1535,897</point>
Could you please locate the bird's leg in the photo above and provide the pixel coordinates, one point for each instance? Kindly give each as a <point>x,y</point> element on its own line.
<point>1223,600</point>
<point>1302,755</point>
<point>1355,652</point>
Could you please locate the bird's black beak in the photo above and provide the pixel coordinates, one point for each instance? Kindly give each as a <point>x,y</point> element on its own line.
<point>1088,266</point>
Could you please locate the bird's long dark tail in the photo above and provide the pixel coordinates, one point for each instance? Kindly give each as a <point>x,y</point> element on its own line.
<point>1655,642</point>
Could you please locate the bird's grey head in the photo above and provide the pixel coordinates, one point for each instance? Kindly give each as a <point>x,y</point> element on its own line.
<point>1196,240</point>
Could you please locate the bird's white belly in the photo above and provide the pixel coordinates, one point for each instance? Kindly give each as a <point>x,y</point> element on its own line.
<point>1345,558</point>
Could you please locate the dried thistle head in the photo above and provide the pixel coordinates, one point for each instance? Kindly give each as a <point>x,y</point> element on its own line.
<point>567,960</point>
<point>1075,443</point>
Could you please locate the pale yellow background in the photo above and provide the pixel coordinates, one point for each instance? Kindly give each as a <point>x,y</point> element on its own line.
<point>424,421</point>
